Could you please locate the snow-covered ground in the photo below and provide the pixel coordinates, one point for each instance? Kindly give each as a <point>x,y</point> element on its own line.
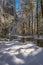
<point>19,53</point>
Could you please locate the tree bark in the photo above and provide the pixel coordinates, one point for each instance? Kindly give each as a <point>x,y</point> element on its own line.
<point>37,17</point>
<point>42,8</point>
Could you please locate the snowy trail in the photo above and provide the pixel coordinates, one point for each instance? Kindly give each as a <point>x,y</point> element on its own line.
<point>19,53</point>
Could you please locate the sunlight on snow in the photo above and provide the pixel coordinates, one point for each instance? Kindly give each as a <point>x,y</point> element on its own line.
<point>26,52</point>
<point>18,60</point>
<point>22,46</point>
<point>36,52</point>
<point>20,52</point>
<point>24,49</point>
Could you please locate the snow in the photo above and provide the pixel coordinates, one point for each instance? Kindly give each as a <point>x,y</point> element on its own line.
<point>40,37</point>
<point>19,53</point>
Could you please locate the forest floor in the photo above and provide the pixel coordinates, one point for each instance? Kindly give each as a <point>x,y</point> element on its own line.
<point>19,53</point>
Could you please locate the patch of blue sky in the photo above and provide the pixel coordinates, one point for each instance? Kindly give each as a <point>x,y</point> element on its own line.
<point>17,3</point>
<point>39,5</point>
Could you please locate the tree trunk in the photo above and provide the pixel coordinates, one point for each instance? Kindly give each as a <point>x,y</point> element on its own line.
<point>42,8</point>
<point>37,16</point>
<point>32,22</point>
<point>29,24</point>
